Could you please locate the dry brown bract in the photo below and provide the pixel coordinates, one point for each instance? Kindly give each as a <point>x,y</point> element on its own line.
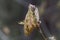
<point>30,22</point>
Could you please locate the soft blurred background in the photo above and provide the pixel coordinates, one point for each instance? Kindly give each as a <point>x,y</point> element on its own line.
<point>14,11</point>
